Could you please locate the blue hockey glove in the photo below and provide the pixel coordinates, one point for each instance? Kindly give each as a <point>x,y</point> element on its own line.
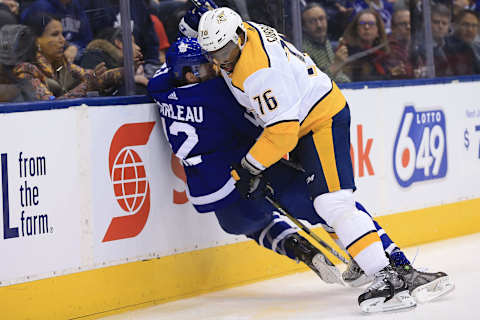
<point>188,26</point>
<point>250,186</point>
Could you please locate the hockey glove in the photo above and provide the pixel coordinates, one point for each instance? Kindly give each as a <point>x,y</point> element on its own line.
<point>188,26</point>
<point>250,186</point>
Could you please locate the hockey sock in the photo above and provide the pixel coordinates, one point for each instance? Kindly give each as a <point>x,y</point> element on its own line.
<point>272,236</point>
<point>390,247</point>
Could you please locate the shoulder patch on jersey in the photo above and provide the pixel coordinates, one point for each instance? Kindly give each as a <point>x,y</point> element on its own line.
<point>253,58</point>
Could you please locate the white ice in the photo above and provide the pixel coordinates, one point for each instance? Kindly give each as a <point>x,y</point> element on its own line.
<point>303,296</point>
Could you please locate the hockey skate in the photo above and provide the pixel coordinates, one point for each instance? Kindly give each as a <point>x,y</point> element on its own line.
<point>313,258</point>
<point>425,286</point>
<point>388,292</point>
<point>354,276</point>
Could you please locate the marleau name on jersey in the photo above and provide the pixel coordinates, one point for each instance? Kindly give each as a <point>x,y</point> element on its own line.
<point>181,113</point>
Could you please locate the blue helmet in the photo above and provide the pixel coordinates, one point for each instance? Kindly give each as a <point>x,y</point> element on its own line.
<point>185,52</point>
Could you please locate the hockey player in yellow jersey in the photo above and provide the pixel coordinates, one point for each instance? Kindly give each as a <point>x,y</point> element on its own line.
<point>303,113</point>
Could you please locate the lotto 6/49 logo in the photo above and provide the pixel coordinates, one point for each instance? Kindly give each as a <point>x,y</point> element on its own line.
<point>129,178</point>
<point>420,151</point>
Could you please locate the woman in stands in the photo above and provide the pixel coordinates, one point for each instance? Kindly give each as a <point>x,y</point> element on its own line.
<point>51,75</point>
<point>366,40</point>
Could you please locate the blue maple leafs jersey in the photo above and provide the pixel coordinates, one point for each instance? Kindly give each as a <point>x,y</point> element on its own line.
<point>208,130</point>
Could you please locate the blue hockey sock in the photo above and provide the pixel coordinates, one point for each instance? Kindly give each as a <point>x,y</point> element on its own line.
<point>272,236</point>
<point>399,258</point>
<point>391,249</point>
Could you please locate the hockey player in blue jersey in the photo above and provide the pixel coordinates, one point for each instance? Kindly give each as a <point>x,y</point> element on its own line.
<point>207,162</point>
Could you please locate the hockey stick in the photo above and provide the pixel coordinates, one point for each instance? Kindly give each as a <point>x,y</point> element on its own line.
<point>306,230</point>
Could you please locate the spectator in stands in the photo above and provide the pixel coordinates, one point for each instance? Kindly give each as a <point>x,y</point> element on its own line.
<point>12,5</point>
<point>466,29</point>
<point>76,28</point>
<point>451,55</point>
<point>162,37</point>
<point>317,44</point>
<point>7,15</point>
<point>367,47</point>
<point>108,48</point>
<point>459,5</point>
<point>404,60</point>
<point>106,13</point>
<point>51,74</point>
<point>17,46</point>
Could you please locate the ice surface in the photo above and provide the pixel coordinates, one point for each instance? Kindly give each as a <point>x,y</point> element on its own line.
<point>303,296</point>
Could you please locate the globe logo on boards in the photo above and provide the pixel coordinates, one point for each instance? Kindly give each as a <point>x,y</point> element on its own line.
<point>129,178</point>
<point>129,181</point>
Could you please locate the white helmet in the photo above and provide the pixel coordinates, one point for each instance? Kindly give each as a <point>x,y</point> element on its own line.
<point>217,27</point>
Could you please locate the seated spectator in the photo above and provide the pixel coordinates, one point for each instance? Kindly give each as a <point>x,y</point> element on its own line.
<point>466,29</point>
<point>162,37</point>
<point>51,74</point>
<point>76,28</point>
<point>106,13</point>
<point>367,45</point>
<point>383,7</point>
<point>404,60</point>
<point>6,15</point>
<point>459,5</point>
<point>12,5</point>
<point>108,48</point>
<point>452,56</point>
<point>17,46</point>
<point>318,46</point>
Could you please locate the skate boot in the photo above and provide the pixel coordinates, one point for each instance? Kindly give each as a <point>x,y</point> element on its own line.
<point>313,258</point>
<point>354,275</point>
<point>425,286</point>
<point>388,292</point>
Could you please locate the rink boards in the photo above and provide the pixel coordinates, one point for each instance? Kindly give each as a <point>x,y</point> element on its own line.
<point>96,218</point>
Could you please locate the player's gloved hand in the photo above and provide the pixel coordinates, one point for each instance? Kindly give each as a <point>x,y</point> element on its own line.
<point>250,186</point>
<point>188,26</point>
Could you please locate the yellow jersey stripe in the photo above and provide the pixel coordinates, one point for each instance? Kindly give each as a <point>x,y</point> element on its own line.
<point>323,140</point>
<point>252,58</point>
<point>333,235</point>
<point>362,243</point>
<point>275,141</point>
<point>325,108</point>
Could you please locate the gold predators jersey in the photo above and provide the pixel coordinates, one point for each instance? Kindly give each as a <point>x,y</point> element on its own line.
<point>284,89</point>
